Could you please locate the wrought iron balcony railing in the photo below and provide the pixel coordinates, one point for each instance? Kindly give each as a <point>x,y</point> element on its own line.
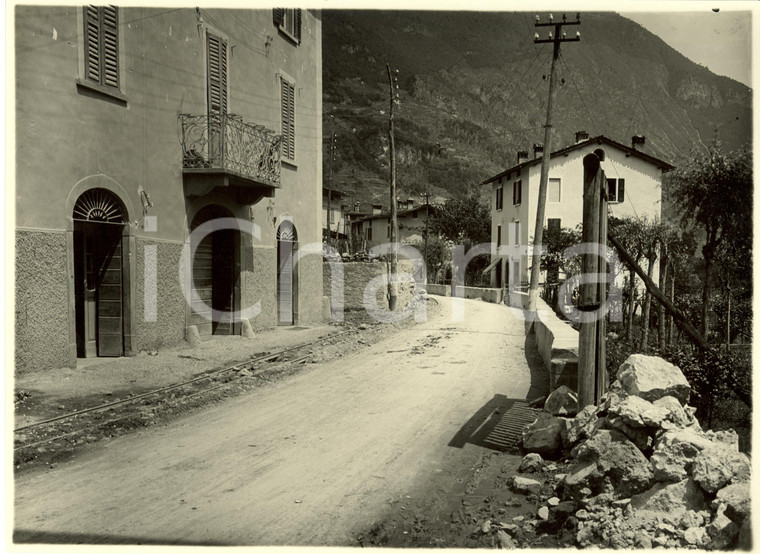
<point>224,142</point>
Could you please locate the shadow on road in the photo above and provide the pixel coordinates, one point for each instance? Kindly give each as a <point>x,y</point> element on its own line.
<point>477,428</point>
<point>539,375</point>
<point>482,422</point>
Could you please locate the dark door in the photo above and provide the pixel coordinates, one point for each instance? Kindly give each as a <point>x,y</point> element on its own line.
<point>223,281</point>
<point>99,296</point>
<point>214,277</point>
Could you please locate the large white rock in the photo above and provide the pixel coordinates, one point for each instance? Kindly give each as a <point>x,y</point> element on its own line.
<point>675,452</point>
<point>544,436</point>
<point>618,459</point>
<point>651,378</point>
<point>671,500</point>
<point>736,500</point>
<point>563,401</point>
<point>716,467</point>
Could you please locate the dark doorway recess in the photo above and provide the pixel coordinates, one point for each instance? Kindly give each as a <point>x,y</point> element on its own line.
<point>215,276</point>
<point>99,276</point>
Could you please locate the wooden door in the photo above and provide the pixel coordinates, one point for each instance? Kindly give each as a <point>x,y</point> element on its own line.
<point>109,294</point>
<point>285,282</point>
<point>203,282</point>
<point>99,291</point>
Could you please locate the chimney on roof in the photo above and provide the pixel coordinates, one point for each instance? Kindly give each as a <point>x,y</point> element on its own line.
<point>638,142</point>
<point>538,149</point>
<point>580,136</point>
<point>522,156</point>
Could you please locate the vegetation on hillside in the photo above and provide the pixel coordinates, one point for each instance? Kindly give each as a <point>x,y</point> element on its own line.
<point>473,92</point>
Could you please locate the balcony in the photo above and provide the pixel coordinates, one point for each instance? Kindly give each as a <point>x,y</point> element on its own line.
<point>223,150</point>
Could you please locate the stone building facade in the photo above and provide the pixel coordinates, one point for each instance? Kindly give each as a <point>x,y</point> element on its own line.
<point>147,138</point>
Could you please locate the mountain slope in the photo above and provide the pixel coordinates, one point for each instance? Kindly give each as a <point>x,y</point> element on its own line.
<point>473,89</point>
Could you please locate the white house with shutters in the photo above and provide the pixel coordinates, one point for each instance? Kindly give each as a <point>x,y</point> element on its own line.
<point>634,186</point>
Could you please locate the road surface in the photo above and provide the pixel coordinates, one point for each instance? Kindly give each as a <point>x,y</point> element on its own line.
<point>312,460</point>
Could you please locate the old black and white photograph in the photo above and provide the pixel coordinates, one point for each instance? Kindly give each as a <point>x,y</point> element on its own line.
<point>379,275</point>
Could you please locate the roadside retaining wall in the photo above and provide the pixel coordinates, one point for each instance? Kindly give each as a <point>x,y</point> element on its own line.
<point>486,294</point>
<point>438,290</point>
<point>557,342</point>
<point>356,277</point>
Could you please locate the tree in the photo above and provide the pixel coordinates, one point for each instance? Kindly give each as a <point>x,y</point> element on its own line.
<point>467,222</point>
<point>714,191</point>
<point>630,232</point>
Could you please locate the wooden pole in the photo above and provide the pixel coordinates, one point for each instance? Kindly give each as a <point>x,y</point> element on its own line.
<point>538,232</point>
<point>728,318</point>
<point>392,284</point>
<point>602,381</point>
<point>589,292</point>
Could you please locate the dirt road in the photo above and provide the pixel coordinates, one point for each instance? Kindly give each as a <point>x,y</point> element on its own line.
<point>311,461</point>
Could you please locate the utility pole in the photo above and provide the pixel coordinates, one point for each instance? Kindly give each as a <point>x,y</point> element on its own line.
<point>426,194</point>
<point>393,285</point>
<point>329,182</point>
<point>556,39</point>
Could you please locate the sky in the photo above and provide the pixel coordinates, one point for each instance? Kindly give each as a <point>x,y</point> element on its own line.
<point>721,41</point>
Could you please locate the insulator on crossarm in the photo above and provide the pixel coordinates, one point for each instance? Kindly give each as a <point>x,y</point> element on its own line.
<point>551,36</point>
<point>551,18</point>
<point>538,18</point>
<point>577,34</point>
<point>564,34</point>
<point>535,36</point>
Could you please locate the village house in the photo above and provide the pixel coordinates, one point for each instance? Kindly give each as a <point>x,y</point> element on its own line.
<point>143,135</point>
<point>375,229</point>
<point>634,188</point>
<point>334,214</point>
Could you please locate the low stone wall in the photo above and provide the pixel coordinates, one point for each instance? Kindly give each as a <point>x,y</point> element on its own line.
<point>557,342</point>
<point>438,290</point>
<point>486,294</point>
<point>356,278</point>
<point>558,345</point>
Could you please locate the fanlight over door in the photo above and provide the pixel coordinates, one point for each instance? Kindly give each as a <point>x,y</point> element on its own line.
<point>287,274</point>
<point>99,299</point>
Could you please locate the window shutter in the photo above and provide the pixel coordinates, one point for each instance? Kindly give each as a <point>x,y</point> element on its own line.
<point>298,24</point>
<point>288,120</point>
<point>92,43</point>
<point>621,190</point>
<point>217,74</point>
<point>278,14</point>
<point>111,46</point>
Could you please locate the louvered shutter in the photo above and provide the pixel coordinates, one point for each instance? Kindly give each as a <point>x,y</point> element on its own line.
<point>110,53</point>
<point>278,15</point>
<point>298,25</point>
<point>92,43</point>
<point>288,120</point>
<point>621,190</point>
<point>217,74</point>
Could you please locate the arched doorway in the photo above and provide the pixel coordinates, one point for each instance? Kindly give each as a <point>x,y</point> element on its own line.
<point>287,274</point>
<point>99,225</point>
<point>215,276</point>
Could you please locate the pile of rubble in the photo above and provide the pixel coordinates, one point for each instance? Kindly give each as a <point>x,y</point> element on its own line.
<point>640,471</point>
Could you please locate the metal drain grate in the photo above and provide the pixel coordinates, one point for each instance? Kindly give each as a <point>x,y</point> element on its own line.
<point>508,432</point>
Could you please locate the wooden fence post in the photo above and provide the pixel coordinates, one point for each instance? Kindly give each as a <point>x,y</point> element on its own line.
<point>589,292</point>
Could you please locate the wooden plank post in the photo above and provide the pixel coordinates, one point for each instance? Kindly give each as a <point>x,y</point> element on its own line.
<point>602,381</point>
<point>589,291</point>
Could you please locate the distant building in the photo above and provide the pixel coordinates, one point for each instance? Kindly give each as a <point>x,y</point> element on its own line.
<point>634,186</point>
<point>136,127</point>
<point>334,214</point>
<point>376,228</point>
